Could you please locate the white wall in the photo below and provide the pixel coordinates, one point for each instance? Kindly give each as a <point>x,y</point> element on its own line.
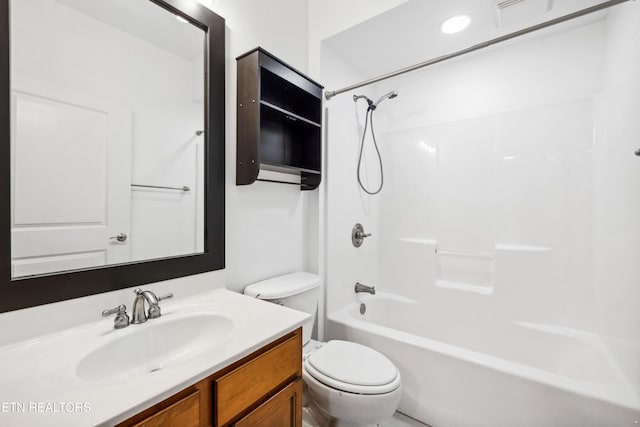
<point>617,207</point>
<point>166,151</point>
<point>94,74</point>
<point>345,203</point>
<point>268,225</point>
<point>329,17</point>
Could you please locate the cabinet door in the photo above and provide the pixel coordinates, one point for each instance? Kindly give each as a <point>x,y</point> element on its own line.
<point>250,383</point>
<point>282,410</point>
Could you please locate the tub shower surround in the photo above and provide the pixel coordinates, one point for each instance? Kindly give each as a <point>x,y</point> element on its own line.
<point>503,242</point>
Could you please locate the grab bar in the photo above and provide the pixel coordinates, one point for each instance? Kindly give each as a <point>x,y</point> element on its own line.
<point>184,188</point>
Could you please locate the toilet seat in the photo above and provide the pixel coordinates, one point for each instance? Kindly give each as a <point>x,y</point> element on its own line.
<point>353,368</point>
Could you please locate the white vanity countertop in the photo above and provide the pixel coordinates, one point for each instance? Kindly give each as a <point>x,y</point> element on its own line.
<point>40,382</point>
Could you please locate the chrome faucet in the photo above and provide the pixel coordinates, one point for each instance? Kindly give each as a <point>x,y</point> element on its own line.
<point>364,288</point>
<point>139,315</point>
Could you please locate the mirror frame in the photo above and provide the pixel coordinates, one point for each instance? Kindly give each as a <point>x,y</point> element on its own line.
<point>31,291</point>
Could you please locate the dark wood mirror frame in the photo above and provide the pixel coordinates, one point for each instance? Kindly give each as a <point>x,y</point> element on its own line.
<point>32,291</point>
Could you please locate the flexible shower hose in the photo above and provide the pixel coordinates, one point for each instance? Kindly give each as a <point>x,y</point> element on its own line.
<point>369,118</point>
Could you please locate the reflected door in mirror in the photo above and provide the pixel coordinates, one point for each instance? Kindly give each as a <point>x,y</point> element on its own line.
<point>107,120</point>
<point>71,186</point>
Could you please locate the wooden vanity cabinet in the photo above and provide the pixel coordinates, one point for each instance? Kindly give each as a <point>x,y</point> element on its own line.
<point>263,389</point>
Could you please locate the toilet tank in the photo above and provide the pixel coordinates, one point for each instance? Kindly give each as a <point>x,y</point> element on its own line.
<point>299,291</point>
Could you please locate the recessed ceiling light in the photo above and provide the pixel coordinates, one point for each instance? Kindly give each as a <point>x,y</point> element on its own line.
<point>455,24</point>
<point>181,19</point>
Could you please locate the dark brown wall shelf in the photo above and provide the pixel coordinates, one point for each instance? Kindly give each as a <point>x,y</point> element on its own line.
<point>279,124</point>
<point>289,115</point>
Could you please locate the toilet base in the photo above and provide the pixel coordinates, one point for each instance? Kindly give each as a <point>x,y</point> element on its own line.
<point>312,416</point>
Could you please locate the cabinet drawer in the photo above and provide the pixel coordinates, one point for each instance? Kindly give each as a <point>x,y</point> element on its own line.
<point>184,413</point>
<point>253,381</point>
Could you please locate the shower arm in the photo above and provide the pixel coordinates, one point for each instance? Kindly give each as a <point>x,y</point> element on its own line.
<point>330,94</point>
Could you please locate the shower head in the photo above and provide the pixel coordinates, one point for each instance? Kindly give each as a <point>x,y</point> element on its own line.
<point>373,105</point>
<point>389,95</point>
<point>356,97</point>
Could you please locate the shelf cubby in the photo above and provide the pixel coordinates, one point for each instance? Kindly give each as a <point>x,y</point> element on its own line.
<point>279,120</point>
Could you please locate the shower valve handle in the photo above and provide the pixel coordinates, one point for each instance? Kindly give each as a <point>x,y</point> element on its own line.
<point>358,235</point>
<point>362,235</point>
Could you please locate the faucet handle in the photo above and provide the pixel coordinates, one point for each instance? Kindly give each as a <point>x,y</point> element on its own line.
<point>121,309</point>
<point>154,309</point>
<point>122,318</point>
<point>164,297</point>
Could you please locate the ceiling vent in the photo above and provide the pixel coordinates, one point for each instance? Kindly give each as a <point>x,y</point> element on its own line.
<point>516,12</point>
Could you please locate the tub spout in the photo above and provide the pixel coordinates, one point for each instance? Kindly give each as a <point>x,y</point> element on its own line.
<point>364,288</point>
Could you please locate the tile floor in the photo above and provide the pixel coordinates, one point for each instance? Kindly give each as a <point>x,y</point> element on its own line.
<point>401,420</point>
<point>398,420</point>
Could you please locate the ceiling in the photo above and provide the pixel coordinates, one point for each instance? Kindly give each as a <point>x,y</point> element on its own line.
<point>147,21</point>
<point>410,33</point>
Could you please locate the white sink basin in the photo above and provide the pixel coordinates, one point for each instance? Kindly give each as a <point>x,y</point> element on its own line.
<point>154,345</point>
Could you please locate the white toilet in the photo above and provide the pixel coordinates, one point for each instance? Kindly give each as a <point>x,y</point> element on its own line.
<point>351,384</point>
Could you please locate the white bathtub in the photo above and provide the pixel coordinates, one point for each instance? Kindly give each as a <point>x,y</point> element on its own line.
<point>461,371</point>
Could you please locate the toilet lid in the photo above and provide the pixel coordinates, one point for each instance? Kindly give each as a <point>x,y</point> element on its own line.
<point>352,364</point>
<point>310,372</point>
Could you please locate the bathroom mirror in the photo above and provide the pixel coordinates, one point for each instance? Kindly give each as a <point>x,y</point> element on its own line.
<point>113,145</point>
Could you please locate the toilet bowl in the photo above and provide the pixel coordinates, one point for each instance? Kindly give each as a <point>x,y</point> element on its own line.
<point>347,384</point>
<point>351,384</point>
